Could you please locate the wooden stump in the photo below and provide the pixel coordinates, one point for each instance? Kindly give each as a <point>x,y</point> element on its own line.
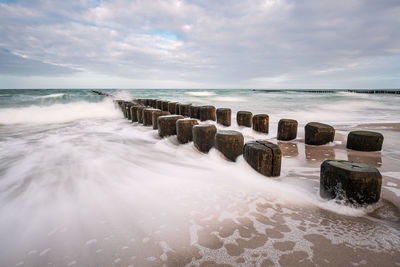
<point>318,133</point>
<point>243,118</point>
<point>134,109</point>
<point>352,182</point>
<point>140,114</point>
<point>154,116</point>
<point>172,107</point>
<point>207,113</point>
<point>287,129</point>
<point>195,112</point>
<point>164,106</point>
<point>203,137</point>
<point>153,103</point>
<point>229,143</point>
<point>224,116</point>
<point>261,123</point>
<point>184,130</point>
<point>167,125</point>
<point>184,110</point>
<point>264,157</point>
<point>365,141</point>
<point>177,108</point>
<point>128,110</point>
<point>159,104</point>
<point>148,116</point>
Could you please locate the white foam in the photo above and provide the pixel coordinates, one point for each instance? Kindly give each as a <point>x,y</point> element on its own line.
<point>52,96</point>
<point>200,93</point>
<point>59,113</point>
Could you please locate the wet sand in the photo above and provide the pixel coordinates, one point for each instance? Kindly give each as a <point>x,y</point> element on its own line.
<point>264,222</point>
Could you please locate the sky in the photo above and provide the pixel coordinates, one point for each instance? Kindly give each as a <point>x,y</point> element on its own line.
<point>252,44</point>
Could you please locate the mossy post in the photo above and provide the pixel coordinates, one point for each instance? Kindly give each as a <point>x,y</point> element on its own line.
<point>148,116</point>
<point>140,114</point>
<point>229,143</point>
<point>263,156</point>
<point>224,116</point>
<point>351,182</point>
<point>244,118</point>
<point>167,125</point>
<point>154,116</point>
<point>172,107</point>
<point>134,109</point>
<point>261,123</point>
<point>287,129</point>
<point>159,104</point>
<point>207,113</point>
<point>203,137</point>
<point>318,133</point>
<point>364,141</point>
<point>177,108</point>
<point>195,112</point>
<point>184,110</point>
<point>164,106</point>
<point>184,130</point>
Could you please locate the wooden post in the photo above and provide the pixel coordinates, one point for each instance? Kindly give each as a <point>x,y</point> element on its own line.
<point>352,182</point>
<point>140,114</point>
<point>167,125</point>
<point>184,110</point>
<point>287,129</point>
<point>159,104</point>
<point>184,130</point>
<point>164,106</point>
<point>148,116</point>
<point>207,113</point>
<point>243,118</point>
<point>364,141</point>
<point>261,123</point>
<point>154,116</point>
<point>195,112</point>
<point>318,133</point>
<point>230,143</point>
<point>172,107</point>
<point>203,137</point>
<point>263,156</point>
<point>224,116</point>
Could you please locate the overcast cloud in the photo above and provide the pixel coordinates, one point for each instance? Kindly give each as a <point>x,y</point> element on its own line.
<point>200,44</point>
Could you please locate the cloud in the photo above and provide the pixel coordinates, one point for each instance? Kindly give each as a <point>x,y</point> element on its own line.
<point>249,43</point>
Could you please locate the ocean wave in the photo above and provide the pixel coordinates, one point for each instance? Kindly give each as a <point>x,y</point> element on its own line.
<point>52,96</point>
<point>201,93</point>
<point>58,113</point>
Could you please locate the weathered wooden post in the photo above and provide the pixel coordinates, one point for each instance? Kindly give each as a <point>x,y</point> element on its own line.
<point>229,143</point>
<point>177,108</point>
<point>172,107</point>
<point>134,109</point>
<point>224,116</point>
<point>364,141</point>
<point>128,110</point>
<point>261,123</point>
<point>148,116</point>
<point>140,114</point>
<point>155,114</point>
<point>287,129</point>
<point>159,104</point>
<point>318,133</point>
<point>184,110</point>
<point>184,130</point>
<point>207,113</point>
<point>203,137</point>
<point>167,124</point>
<point>243,118</point>
<point>164,106</point>
<point>264,157</point>
<point>195,112</point>
<point>351,182</point>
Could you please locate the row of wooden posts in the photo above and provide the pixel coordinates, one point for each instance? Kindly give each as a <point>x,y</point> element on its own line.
<point>354,182</point>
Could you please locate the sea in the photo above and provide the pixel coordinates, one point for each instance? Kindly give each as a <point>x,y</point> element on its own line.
<point>80,185</point>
